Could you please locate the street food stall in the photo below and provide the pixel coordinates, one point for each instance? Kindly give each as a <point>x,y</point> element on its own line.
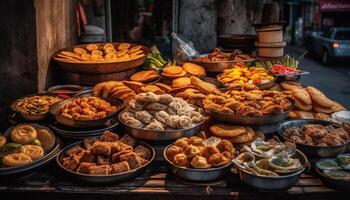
<point>129,123</point>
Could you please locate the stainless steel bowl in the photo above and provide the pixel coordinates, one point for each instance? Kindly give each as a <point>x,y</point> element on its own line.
<point>102,179</point>
<point>197,175</point>
<point>312,150</point>
<point>70,89</point>
<point>56,109</point>
<point>276,183</point>
<point>333,183</point>
<point>249,120</point>
<point>165,135</point>
<point>35,165</point>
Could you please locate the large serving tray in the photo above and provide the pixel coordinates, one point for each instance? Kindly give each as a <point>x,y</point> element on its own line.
<point>103,179</point>
<point>99,67</point>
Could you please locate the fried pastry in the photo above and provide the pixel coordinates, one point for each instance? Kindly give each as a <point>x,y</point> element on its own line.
<point>144,76</point>
<point>203,86</point>
<point>23,134</point>
<point>337,107</point>
<point>243,138</point>
<point>154,126</point>
<point>103,160</point>
<point>152,88</point>
<point>200,162</point>
<point>109,136</point>
<point>223,130</point>
<point>225,145</point>
<point>183,142</point>
<point>143,152</point>
<point>128,140</point>
<point>181,82</point>
<point>302,95</point>
<point>304,114</point>
<point>84,167</point>
<point>321,116</point>
<point>156,106</point>
<point>16,159</point>
<point>134,85</point>
<point>172,151</point>
<point>164,87</point>
<point>33,151</point>
<point>302,106</point>
<point>162,116</point>
<point>194,69</point>
<point>100,170</point>
<point>133,122</point>
<point>101,148</point>
<point>196,141</point>
<point>144,116</point>
<point>46,138</point>
<point>209,151</point>
<point>290,85</point>
<point>120,167</point>
<point>191,151</point>
<point>172,70</point>
<point>135,105</point>
<point>166,99</point>
<point>132,159</point>
<point>318,97</point>
<point>181,160</point>
<point>321,109</point>
<point>218,160</point>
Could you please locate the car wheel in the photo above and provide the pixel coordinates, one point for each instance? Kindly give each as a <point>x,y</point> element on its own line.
<point>325,57</point>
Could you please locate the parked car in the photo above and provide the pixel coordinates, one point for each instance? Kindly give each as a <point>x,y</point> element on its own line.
<point>332,44</point>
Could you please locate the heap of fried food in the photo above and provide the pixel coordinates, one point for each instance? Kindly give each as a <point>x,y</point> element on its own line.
<point>35,105</point>
<point>317,134</point>
<point>154,112</point>
<point>108,154</point>
<point>188,69</point>
<point>310,103</point>
<point>217,55</point>
<point>192,89</point>
<point>241,74</point>
<point>235,134</point>
<point>93,53</point>
<point>198,153</point>
<point>251,102</point>
<point>25,145</point>
<point>87,108</point>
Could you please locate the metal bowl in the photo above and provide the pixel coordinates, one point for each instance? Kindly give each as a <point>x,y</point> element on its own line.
<point>100,179</point>
<point>30,117</point>
<point>197,175</point>
<point>333,183</point>
<point>35,165</point>
<point>220,65</point>
<point>99,67</point>
<point>249,120</point>
<point>56,109</point>
<point>165,135</point>
<point>70,89</point>
<point>275,183</point>
<point>312,150</point>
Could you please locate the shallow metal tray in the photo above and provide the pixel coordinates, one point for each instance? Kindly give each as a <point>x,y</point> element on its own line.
<point>103,179</point>
<point>312,150</point>
<point>197,175</point>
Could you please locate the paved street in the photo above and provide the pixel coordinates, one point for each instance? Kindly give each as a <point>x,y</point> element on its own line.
<point>333,80</point>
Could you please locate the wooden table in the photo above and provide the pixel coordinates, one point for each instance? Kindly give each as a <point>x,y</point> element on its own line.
<point>156,183</point>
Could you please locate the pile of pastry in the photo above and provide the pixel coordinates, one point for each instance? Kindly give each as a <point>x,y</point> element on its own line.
<point>234,133</point>
<point>108,154</point>
<point>310,103</point>
<point>187,69</point>
<point>198,153</point>
<point>192,89</point>
<point>248,103</point>
<point>149,111</point>
<point>107,53</point>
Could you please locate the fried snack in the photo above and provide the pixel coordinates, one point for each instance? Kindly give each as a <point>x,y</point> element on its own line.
<point>35,105</point>
<point>243,138</point>
<point>293,115</point>
<point>101,148</point>
<point>33,151</point>
<point>301,105</point>
<point>144,76</point>
<point>75,150</point>
<point>100,170</point>
<point>200,162</point>
<point>87,108</point>
<point>318,97</point>
<point>91,47</point>
<point>172,151</point>
<point>321,116</point>
<point>173,70</point>
<point>337,107</point>
<point>152,88</point>
<point>304,115</point>
<point>181,160</point>
<point>218,160</point>
<point>46,138</point>
<point>290,85</point>
<point>209,151</point>
<point>79,51</point>
<point>164,87</point>
<point>16,159</point>
<point>142,152</point>
<point>194,69</point>
<point>302,95</point>
<point>134,85</point>
<point>241,74</point>
<point>120,167</point>
<point>23,134</point>
<point>3,141</point>
<point>321,109</point>
<point>203,86</point>
<point>109,136</point>
<point>223,130</point>
<point>182,142</point>
<point>181,82</point>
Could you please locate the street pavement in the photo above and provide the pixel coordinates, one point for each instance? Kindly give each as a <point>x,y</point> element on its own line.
<point>333,80</point>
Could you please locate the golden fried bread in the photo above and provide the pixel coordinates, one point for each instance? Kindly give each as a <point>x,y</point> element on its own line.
<point>293,115</point>
<point>304,114</point>
<point>302,95</point>
<point>164,87</point>
<point>172,76</point>
<point>134,85</point>
<point>337,107</point>
<point>301,105</point>
<point>144,76</point>
<point>203,86</point>
<point>243,138</point>
<point>152,88</point>
<point>194,69</point>
<point>318,97</point>
<point>322,116</point>
<point>173,70</point>
<point>223,130</point>
<point>321,109</point>
<point>181,82</point>
<point>290,85</point>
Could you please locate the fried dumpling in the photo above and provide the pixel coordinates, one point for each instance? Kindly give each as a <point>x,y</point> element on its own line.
<point>181,142</point>
<point>154,126</point>
<point>196,117</point>
<point>181,160</point>
<point>185,110</point>
<point>156,106</point>
<point>185,122</point>
<point>144,116</point>
<point>197,141</point>
<point>209,151</point>
<point>134,123</point>
<point>218,160</point>
<point>172,151</point>
<point>126,115</point>
<point>166,99</point>
<point>225,145</point>
<point>176,105</point>
<point>173,121</point>
<point>148,97</point>
<point>200,162</point>
<point>135,104</point>
<point>191,151</point>
<point>162,116</point>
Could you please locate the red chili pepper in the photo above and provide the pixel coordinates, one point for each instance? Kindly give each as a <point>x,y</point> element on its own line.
<point>282,69</point>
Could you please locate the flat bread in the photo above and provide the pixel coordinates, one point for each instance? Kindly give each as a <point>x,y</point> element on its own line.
<point>302,95</point>
<point>223,130</point>
<point>318,97</point>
